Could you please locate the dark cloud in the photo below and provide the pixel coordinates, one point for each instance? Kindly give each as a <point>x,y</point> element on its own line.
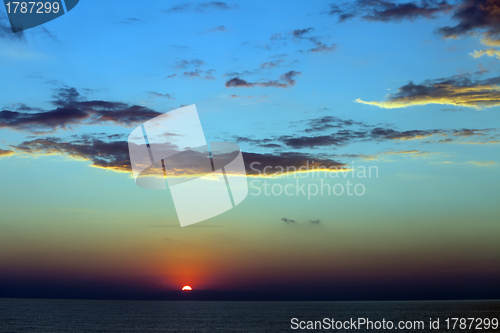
<point>265,143</point>
<point>458,90</point>
<point>329,122</point>
<point>465,132</point>
<point>299,33</point>
<point>340,138</point>
<point>391,134</point>
<point>114,155</point>
<point>286,80</point>
<point>284,219</point>
<point>204,7</point>
<point>386,11</point>
<point>71,108</point>
<point>348,131</point>
<point>293,160</point>
<point>288,77</point>
<point>474,16</point>
<point>315,221</point>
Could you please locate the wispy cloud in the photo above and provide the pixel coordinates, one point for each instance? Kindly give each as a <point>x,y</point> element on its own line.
<point>490,52</point>
<point>204,7</point>
<point>153,94</point>
<point>458,90</point>
<point>286,80</point>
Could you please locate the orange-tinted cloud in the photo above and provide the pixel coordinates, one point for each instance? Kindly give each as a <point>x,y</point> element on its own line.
<point>458,91</point>
<point>490,52</point>
<point>4,152</point>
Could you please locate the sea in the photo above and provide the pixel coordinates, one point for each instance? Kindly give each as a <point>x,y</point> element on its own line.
<point>75,316</point>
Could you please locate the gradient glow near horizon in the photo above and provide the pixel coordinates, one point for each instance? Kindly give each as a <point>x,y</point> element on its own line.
<point>322,84</point>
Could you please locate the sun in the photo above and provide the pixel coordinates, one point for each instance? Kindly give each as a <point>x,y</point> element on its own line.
<point>187,288</point>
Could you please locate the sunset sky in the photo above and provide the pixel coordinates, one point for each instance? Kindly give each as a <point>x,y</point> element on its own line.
<point>411,88</point>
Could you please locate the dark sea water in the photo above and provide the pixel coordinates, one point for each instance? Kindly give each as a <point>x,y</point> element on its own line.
<point>28,315</point>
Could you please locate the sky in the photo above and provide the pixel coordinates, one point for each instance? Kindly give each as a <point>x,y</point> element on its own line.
<point>407,90</point>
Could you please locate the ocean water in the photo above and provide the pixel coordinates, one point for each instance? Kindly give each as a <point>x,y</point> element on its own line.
<point>30,315</point>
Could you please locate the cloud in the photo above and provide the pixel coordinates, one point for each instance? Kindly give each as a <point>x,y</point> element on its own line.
<point>329,122</point>
<point>286,80</point>
<point>488,41</point>
<point>131,21</point>
<point>284,219</point>
<point>387,11</point>
<point>474,163</point>
<point>73,109</point>
<point>272,64</point>
<point>348,136</point>
<point>299,33</point>
<point>206,75</point>
<point>272,164</point>
<point>315,221</point>
<point>457,90</point>
<point>240,139</point>
<point>4,153</point>
<point>337,139</point>
<point>219,28</point>
<point>288,77</point>
<point>482,163</point>
<point>346,132</point>
<point>390,134</point>
<point>192,69</point>
<point>320,47</point>
<point>473,16</point>
<point>182,64</point>
<point>412,153</point>
<point>469,132</point>
<point>153,94</point>
<point>239,96</point>
<point>105,153</point>
<point>204,7</point>
<point>490,52</point>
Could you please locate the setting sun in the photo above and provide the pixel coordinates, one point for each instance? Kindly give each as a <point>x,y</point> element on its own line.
<point>187,288</point>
